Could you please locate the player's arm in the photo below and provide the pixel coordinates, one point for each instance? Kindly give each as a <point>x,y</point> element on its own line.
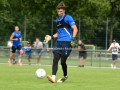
<point>75,30</point>
<point>20,39</point>
<point>35,45</point>
<point>9,46</point>
<point>77,48</point>
<point>41,46</point>
<point>12,39</point>
<point>109,48</point>
<point>55,35</point>
<point>73,25</point>
<point>118,46</point>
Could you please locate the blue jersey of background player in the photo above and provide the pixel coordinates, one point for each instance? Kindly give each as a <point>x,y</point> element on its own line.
<point>28,52</point>
<point>62,48</point>
<point>16,38</point>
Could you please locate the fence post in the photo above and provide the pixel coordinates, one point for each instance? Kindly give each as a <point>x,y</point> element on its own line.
<point>91,57</point>
<point>106,32</point>
<point>52,39</point>
<point>79,29</point>
<point>106,38</point>
<point>100,60</point>
<point>25,30</point>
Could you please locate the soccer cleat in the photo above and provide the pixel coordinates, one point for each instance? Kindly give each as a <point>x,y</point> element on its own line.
<point>14,62</point>
<point>114,67</point>
<point>50,79</point>
<point>38,64</point>
<point>62,79</point>
<point>111,65</point>
<point>29,63</point>
<point>19,63</point>
<point>9,63</point>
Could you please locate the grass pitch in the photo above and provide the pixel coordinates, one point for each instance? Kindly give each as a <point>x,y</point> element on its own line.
<point>23,78</point>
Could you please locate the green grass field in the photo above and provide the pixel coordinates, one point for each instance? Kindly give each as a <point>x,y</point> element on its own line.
<point>23,78</point>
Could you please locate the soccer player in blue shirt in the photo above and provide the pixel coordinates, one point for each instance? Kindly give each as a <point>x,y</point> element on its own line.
<point>28,52</point>
<point>62,48</point>
<point>16,38</point>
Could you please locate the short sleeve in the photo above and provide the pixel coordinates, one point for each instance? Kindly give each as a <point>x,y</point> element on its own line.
<point>111,45</point>
<point>9,43</point>
<point>40,44</point>
<point>68,19</point>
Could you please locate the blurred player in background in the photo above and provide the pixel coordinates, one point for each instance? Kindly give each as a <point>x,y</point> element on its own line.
<point>9,45</point>
<point>82,53</point>
<point>16,38</point>
<point>62,48</point>
<point>115,48</point>
<point>39,46</point>
<point>28,52</point>
<point>45,47</point>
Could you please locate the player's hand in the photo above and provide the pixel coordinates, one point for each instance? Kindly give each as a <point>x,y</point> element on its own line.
<point>16,39</point>
<point>47,38</point>
<point>73,44</point>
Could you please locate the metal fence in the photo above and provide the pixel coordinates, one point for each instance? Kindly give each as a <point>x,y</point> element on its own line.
<point>92,30</point>
<point>95,58</point>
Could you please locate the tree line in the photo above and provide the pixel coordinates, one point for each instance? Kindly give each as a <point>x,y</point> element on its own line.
<point>90,14</point>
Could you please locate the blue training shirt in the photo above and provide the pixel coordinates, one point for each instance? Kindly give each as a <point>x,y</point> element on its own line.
<point>65,33</point>
<point>18,36</point>
<point>28,51</point>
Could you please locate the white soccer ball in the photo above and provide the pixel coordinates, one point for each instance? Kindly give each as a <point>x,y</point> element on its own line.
<point>40,73</point>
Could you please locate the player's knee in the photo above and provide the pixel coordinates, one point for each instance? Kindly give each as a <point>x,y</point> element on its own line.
<point>63,63</point>
<point>56,58</point>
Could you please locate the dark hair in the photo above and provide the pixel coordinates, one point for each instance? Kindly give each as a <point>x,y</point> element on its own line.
<point>38,38</point>
<point>61,6</point>
<point>16,26</point>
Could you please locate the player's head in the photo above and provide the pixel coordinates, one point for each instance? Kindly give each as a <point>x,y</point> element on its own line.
<point>37,39</point>
<point>61,9</point>
<point>80,42</point>
<point>28,44</point>
<point>16,28</point>
<point>114,41</point>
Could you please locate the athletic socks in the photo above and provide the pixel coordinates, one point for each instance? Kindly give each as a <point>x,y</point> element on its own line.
<point>53,76</point>
<point>19,60</point>
<point>9,60</point>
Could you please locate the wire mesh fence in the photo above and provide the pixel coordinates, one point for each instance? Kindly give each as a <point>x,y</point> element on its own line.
<point>92,30</point>
<point>95,58</point>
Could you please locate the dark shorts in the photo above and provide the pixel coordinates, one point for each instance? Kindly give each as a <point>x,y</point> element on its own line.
<point>62,47</point>
<point>114,57</point>
<point>14,48</point>
<point>29,56</point>
<point>83,55</point>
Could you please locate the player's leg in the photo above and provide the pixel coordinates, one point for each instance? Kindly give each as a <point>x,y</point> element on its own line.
<point>84,59</point>
<point>38,60</point>
<point>65,53</point>
<point>115,60</point>
<point>21,55</point>
<point>80,60</point>
<point>64,68</point>
<point>11,55</point>
<point>13,58</point>
<point>39,57</point>
<point>10,59</point>
<point>54,67</point>
<point>29,59</point>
